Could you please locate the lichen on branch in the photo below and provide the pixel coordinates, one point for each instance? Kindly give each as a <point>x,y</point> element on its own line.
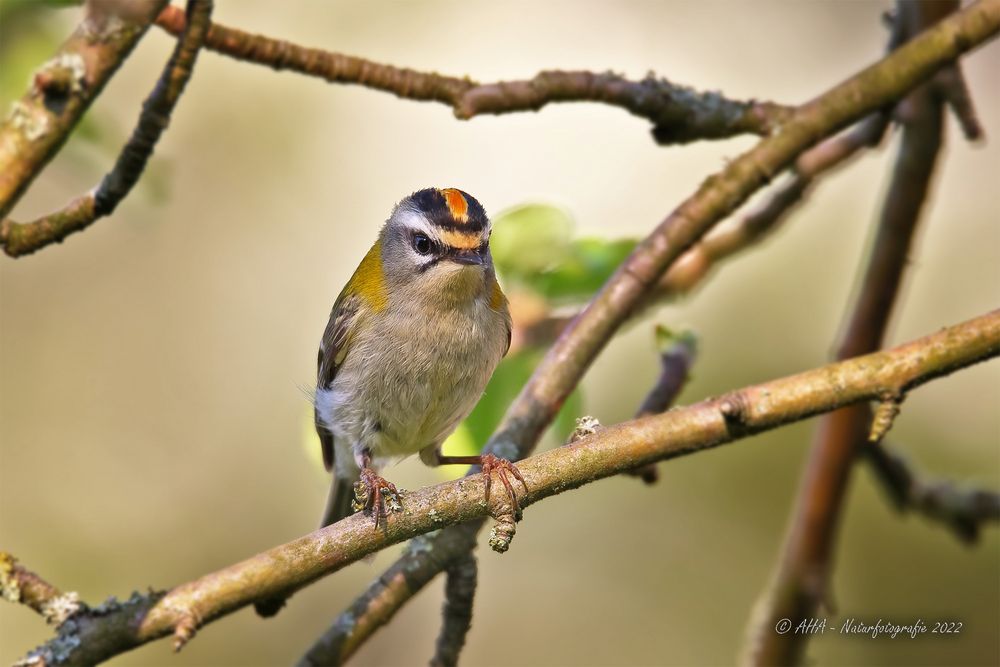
<point>679,113</point>
<point>609,451</point>
<point>63,89</point>
<point>20,239</point>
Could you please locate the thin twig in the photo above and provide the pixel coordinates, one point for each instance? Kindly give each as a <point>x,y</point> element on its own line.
<point>679,114</point>
<point>459,591</point>
<point>18,584</point>
<point>63,89</point>
<point>91,637</point>
<point>730,238</point>
<point>962,509</point>
<point>376,606</point>
<point>692,267</point>
<point>20,239</point>
<point>950,81</point>
<point>677,355</point>
<point>733,236</point>
<point>800,582</point>
<point>872,90</point>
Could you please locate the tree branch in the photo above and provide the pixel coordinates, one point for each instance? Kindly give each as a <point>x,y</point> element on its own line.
<point>94,635</point>
<point>963,510</point>
<point>63,89</point>
<point>799,585</point>
<point>730,238</point>
<point>25,238</point>
<point>18,584</point>
<point>459,590</point>
<point>871,90</point>
<point>377,605</point>
<point>679,114</point>
<point>677,355</point>
<point>733,236</point>
<point>408,575</point>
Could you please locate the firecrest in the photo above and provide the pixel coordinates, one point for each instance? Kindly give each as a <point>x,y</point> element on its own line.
<point>411,343</point>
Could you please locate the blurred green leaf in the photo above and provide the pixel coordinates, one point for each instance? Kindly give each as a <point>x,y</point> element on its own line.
<point>529,239</point>
<point>533,246</point>
<point>22,55</point>
<point>588,264</point>
<point>459,443</point>
<point>505,384</point>
<point>510,376</point>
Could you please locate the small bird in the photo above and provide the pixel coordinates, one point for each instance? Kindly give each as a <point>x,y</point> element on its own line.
<point>412,341</point>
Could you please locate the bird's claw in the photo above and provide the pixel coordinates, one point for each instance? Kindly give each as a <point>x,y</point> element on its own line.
<point>503,468</point>
<point>370,494</point>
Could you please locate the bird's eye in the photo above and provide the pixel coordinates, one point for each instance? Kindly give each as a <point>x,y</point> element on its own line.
<point>421,244</point>
<point>483,249</point>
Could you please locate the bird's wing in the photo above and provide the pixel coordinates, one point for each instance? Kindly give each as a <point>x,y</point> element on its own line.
<point>332,352</point>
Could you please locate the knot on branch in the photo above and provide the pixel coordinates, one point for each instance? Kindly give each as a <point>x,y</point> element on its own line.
<point>505,508</point>
<point>58,78</point>
<point>735,410</point>
<point>885,415</point>
<point>503,531</point>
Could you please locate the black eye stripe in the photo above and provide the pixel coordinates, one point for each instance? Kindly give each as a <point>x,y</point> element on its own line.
<point>429,263</point>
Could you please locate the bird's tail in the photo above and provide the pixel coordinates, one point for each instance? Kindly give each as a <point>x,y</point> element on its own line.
<point>338,503</point>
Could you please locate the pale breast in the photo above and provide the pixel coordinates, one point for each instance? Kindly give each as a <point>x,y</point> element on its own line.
<point>407,385</point>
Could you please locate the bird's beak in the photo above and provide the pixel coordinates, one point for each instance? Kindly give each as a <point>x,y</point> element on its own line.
<point>467,257</point>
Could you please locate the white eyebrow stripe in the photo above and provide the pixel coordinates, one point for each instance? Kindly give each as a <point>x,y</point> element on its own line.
<point>416,222</point>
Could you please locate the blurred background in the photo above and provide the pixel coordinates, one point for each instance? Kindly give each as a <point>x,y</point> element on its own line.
<point>154,370</point>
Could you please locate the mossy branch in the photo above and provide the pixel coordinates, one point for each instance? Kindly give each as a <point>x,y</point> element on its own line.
<point>870,91</point>
<point>20,239</point>
<point>679,114</point>
<point>94,635</point>
<point>64,88</point>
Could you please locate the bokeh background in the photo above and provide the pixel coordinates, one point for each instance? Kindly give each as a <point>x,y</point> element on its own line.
<point>154,370</point>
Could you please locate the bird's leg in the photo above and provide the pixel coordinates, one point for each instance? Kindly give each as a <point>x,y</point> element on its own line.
<point>490,464</point>
<point>374,485</point>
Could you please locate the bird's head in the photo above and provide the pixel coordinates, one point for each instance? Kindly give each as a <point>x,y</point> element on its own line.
<point>436,244</point>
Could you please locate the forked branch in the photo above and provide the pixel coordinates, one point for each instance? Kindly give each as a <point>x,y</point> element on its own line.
<point>869,91</point>
<point>963,509</point>
<point>801,579</point>
<point>25,238</point>
<point>96,635</point>
<point>63,89</point>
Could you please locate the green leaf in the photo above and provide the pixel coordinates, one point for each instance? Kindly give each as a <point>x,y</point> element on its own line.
<point>510,376</point>
<point>512,373</point>
<point>587,265</point>
<point>530,239</point>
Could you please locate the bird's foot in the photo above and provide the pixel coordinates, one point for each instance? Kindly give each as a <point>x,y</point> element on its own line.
<point>371,493</point>
<point>503,468</point>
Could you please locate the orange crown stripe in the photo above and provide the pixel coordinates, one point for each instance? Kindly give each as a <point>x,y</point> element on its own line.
<point>461,240</point>
<point>457,205</point>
